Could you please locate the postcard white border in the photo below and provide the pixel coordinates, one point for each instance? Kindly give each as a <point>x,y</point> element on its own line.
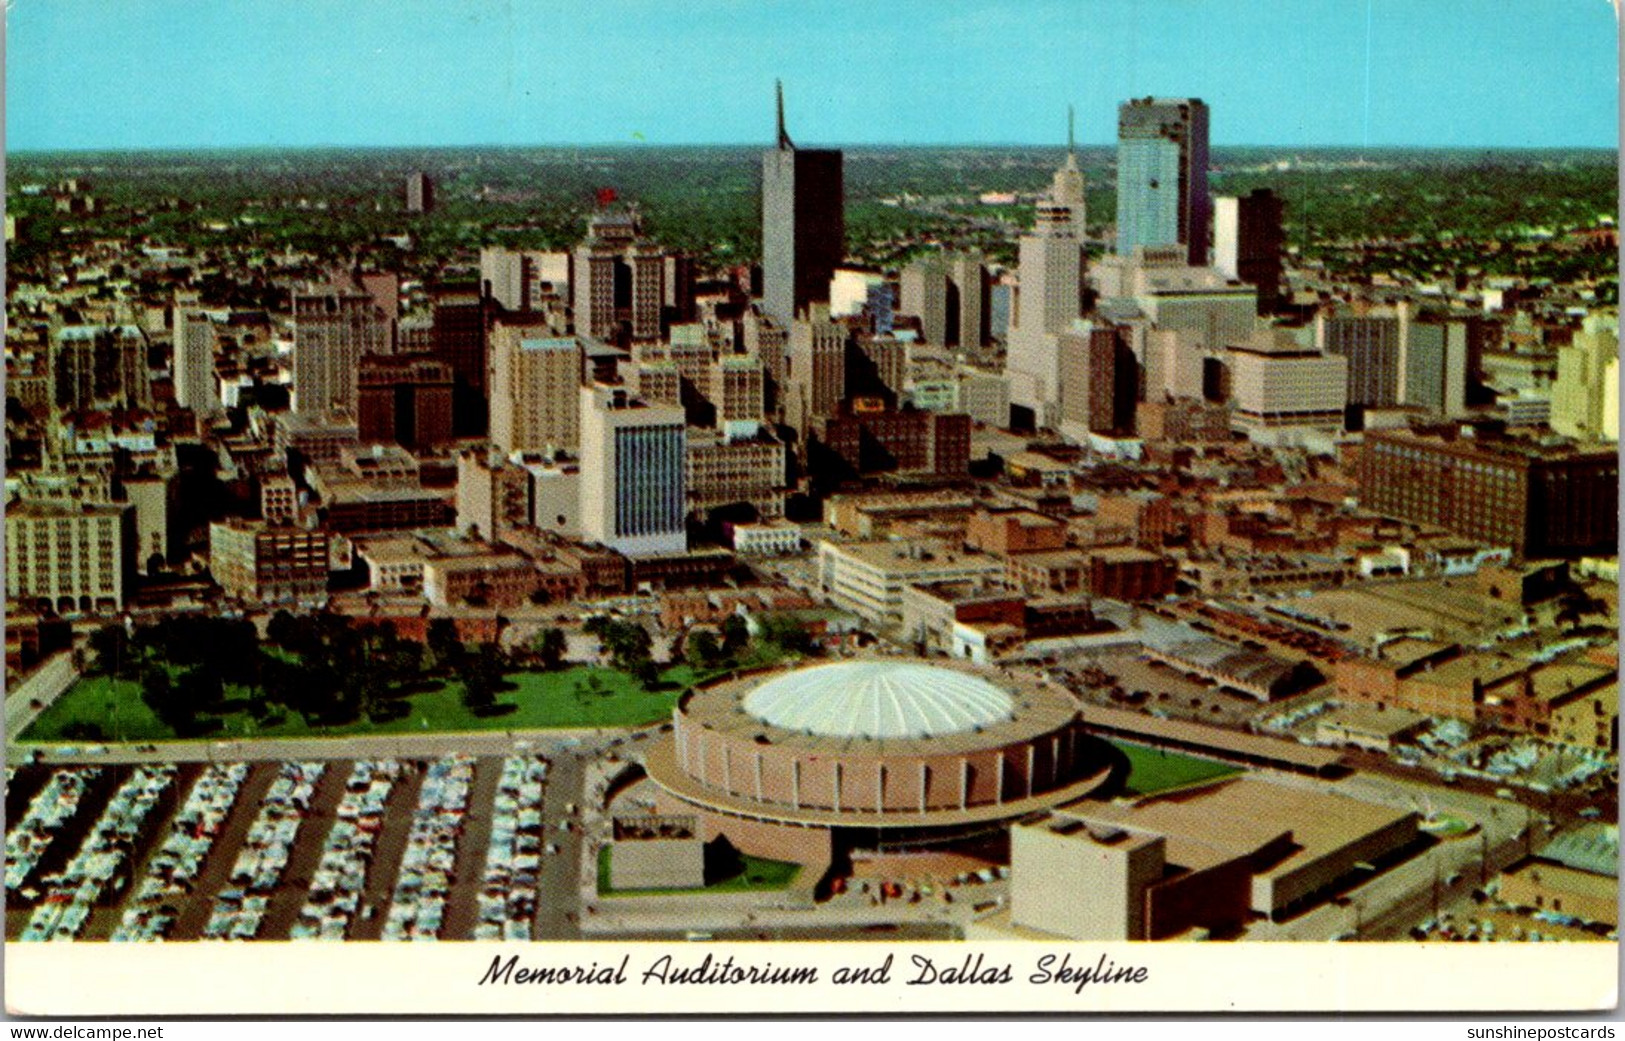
<point>282,978</point>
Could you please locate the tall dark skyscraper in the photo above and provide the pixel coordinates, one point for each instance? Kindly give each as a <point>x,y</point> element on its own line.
<point>1247,242</point>
<point>458,339</point>
<point>803,224</point>
<point>1162,195</point>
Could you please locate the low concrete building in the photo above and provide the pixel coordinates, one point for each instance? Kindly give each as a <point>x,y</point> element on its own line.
<point>394,564</point>
<point>1111,867</point>
<point>656,852</point>
<point>69,557</point>
<point>1211,859</point>
<point>774,539</point>
<point>1368,727</point>
<point>869,577</point>
<point>497,579</point>
<point>1576,874</point>
<point>1256,673</point>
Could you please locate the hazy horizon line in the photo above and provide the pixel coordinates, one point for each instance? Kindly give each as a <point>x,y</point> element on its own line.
<point>761,146</point>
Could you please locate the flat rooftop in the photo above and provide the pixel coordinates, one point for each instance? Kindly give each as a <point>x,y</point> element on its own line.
<point>1236,818</point>
<point>1446,609</point>
<point>915,555</point>
<point>1367,719</point>
<point>1509,445</point>
<point>1214,739</point>
<point>1557,681</point>
<point>1593,848</point>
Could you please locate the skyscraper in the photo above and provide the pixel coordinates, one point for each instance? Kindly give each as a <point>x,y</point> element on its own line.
<point>1097,381</point>
<point>458,338</point>
<point>815,368</point>
<point>803,224</point>
<point>525,280</point>
<point>925,296</point>
<point>194,362</point>
<point>949,295</point>
<point>333,326</point>
<point>1247,240</point>
<point>1051,279</point>
<point>1162,195</point>
<point>535,391</point>
<point>419,192</point>
<point>738,392</point>
<point>618,286</point>
<point>99,366</point>
<point>1435,366</point>
<point>633,488</point>
<point>1067,187</point>
<point>1585,398</point>
<point>403,398</point>
<point>1371,343</point>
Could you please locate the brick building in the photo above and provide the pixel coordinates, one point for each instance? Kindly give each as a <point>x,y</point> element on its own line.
<point>1543,498</point>
<point>257,562</point>
<point>860,442</point>
<point>404,399</point>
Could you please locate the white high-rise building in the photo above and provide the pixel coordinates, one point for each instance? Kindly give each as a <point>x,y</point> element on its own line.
<point>1051,278</point>
<point>1280,390</point>
<point>525,280</point>
<point>1067,187</point>
<point>333,326</point>
<point>195,386</point>
<point>1585,398</point>
<point>633,487</point>
<point>535,392</point>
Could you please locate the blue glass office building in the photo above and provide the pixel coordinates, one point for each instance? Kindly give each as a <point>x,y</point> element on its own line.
<point>1162,194</point>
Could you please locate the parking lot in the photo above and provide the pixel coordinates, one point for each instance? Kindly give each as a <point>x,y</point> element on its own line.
<point>450,847</point>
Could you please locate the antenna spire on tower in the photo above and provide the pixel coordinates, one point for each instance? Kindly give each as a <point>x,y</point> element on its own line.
<point>784,136</point>
<point>1070,148</point>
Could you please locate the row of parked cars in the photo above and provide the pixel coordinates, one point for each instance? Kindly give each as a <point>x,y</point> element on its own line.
<point>173,870</point>
<point>428,866</point>
<point>34,831</point>
<point>336,887</point>
<point>513,860</point>
<point>239,910</point>
<point>72,893</point>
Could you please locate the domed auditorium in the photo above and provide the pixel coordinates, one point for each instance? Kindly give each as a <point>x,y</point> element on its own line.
<point>882,755</point>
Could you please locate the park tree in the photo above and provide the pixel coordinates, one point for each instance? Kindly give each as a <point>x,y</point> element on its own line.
<point>114,653</point>
<point>284,630</point>
<point>200,689</point>
<point>401,659</point>
<point>444,644</point>
<point>630,647</point>
<point>787,634</point>
<point>156,685</point>
<point>735,635</point>
<point>483,677</point>
<point>703,650</point>
<point>550,646</point>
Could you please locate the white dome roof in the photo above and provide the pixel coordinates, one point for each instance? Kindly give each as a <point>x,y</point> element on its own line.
<point>879,699</point>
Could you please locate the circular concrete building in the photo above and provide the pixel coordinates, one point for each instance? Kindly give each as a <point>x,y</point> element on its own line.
<point>888,753</point>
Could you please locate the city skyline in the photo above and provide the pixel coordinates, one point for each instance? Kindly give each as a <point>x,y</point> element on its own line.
<point>1002,74</point>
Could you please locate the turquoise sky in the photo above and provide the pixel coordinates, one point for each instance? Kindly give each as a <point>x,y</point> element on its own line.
<point>207,73</point>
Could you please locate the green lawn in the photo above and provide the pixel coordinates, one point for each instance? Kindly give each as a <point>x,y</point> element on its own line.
<point>756,873</point>
<point>582,696</point>
<point>1155,770</point>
